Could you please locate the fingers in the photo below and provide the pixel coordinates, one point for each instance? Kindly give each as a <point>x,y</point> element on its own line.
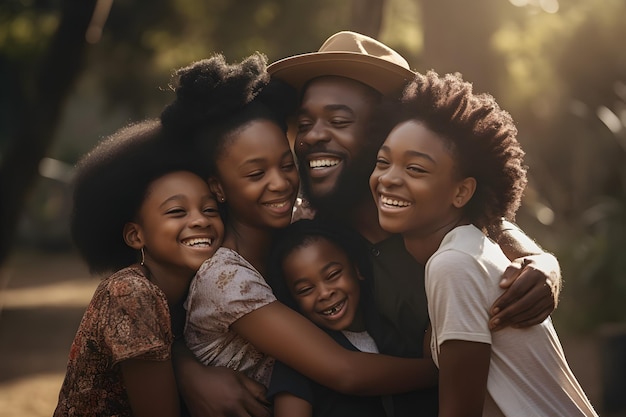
<point>256,402</point>
<point>514,317</point>
<point>522,281</point>
<point>256,408</point>
<point>528,301</point>
<point>511,274</point>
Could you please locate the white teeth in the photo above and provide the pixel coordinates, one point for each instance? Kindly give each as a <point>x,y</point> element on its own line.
<point>198,242</point>
<point>277,205</point>
<point>319,163</point>
<point>333,310</point>
<point>397,203</point>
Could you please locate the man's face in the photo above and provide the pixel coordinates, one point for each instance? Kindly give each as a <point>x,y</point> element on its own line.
<point>332,146</point>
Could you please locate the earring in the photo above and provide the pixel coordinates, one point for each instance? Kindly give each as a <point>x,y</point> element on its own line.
<point>222,199</point>
<point>143,257</point>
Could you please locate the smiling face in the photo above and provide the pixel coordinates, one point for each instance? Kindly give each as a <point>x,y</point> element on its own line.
<point>325,284</point>
<point>257,176</point>
<point>416,187</point>
<point>331,142</point>
<point>178,223</point>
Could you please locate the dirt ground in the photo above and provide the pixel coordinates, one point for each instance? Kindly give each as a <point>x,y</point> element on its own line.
<point>42,298</point>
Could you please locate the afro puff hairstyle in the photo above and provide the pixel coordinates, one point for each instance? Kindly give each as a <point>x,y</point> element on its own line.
<point>214,100</point>
<point>110,184</point>
<point>482,137</point>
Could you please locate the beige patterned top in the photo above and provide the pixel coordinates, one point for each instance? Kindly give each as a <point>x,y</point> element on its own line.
<point>225,288</point>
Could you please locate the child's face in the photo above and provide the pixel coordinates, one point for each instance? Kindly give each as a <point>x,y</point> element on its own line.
<point>258,177</point>
<point>414,183</point>
<point>325,284</point>
<point>180,222</point>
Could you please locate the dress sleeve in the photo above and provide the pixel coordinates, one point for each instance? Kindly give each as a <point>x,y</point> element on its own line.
<point>225,289</point>
<point>136,321</point>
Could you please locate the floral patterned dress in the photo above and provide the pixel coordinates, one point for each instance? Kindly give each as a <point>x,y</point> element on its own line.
<point>128,317</point>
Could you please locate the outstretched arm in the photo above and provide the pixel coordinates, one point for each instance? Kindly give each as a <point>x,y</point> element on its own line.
<point>282,333</point>
<point>532,281</point>
<point>216,391</point>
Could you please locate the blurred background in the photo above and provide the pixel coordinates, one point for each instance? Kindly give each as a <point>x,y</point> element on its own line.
<point>77,70</point>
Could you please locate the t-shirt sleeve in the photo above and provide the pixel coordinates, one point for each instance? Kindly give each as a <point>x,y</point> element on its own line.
<point>136,321</point>
<point>456,287</point>
<point>287,380</point>
<point>223,291</point>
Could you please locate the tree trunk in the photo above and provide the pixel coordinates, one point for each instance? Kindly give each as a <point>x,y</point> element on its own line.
<point>45,95</point>
<point>367,16</point>
<point>457,38</point>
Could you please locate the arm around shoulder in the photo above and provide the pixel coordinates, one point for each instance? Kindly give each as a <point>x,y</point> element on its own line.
<point>216,391</point>
<point>282,333</point>
<point>532,282</point>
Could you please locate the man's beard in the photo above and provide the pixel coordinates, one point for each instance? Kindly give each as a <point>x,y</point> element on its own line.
<point>351,188</point>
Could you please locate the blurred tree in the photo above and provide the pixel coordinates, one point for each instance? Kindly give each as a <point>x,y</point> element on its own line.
<point>567,91</point>
<point>44,53</point>
<point>42,76</point>
<point>458,38</point>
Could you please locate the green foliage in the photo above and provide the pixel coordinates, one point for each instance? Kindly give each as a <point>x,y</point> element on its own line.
<point>567,83</point>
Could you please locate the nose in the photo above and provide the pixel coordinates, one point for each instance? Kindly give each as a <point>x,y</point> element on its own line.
<point>389,177</point>
<point>199,219</point>
<point>316,134</point>
<point>278,181</point>
<point>326,291</point>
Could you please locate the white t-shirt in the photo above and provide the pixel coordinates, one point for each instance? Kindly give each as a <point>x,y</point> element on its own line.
<point>225,288</point>
<point>528,374</point>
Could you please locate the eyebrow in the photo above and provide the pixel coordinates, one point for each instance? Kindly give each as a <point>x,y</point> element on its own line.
<point>257,160</point>
<point>325,268</point>
<point>172,198</point>
<point>412,153</point>
<point>330,107</point>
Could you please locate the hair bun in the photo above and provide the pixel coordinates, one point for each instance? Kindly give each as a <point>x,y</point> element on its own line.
<point>211,89</point>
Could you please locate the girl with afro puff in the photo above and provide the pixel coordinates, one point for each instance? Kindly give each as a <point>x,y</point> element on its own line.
<point>143,211</point>
<point>449,169</point>
<point>236,116</point>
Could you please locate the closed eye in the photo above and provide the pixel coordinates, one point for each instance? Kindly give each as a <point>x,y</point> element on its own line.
<point>176,212</point>
<point>303,291</point>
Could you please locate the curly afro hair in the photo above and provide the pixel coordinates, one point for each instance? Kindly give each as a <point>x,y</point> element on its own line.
<point>215,100</point>
<point>109,186</point>
<point>482,137</point>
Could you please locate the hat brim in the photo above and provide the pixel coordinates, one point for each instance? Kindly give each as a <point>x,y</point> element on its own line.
<point>380,74</point>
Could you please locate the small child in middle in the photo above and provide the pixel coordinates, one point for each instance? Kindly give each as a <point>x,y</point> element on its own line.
<point>320,273</point>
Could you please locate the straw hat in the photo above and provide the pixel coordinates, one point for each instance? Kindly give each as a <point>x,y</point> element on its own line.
<point>351,55</point>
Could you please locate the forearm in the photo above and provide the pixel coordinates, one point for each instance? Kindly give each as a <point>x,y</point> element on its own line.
<point>375,374</point>
<point>516,244</point>
<point>287,336</point>
<point>513,241</point>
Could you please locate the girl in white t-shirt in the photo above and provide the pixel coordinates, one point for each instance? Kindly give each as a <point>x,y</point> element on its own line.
<point>449,169</point>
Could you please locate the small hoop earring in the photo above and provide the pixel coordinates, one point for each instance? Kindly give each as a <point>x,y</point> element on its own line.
<point>143,257</point>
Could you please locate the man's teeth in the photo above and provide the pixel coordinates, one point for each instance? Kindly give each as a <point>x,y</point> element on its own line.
<point>200,241</point>
<point>323,163</point>
<point>391,202</point>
